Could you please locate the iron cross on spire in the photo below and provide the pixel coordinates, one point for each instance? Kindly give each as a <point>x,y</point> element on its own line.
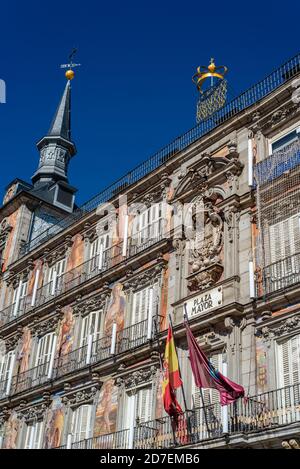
<point>70,73</point>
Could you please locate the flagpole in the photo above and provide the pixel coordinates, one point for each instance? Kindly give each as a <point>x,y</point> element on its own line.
<point>162,370</point>
<point>182,388</point>
<point>185,317</point>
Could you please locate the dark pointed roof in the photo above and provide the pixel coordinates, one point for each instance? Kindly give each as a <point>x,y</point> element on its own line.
<point>61,125</point>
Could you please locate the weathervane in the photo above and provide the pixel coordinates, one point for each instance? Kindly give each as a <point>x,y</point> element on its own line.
<point>70,72</point>
<point>214,97</point>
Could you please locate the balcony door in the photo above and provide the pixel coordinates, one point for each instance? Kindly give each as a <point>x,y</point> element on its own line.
<point>90,326</point>
<point>19,298</point>
<point>6,364</point>
<point>99,254</point>
<point>288,380</point>
<point>55,278</point>
<point>44,353</point>
<point>284,242</point>
<point>81,426</point>
<point>147,226</point>
<point>34,435</point>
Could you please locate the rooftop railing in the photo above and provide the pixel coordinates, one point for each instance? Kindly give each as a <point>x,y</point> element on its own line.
<point>238,104</point>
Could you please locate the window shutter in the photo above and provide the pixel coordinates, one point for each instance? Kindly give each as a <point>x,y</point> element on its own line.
<point>90,325</point>
<point>289,361</point>
<point>5,365</point>
<point>144,404</point>
<point>45,349</point>
<point>81,424</point>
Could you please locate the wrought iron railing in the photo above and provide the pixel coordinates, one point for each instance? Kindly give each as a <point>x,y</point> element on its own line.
<point>238,104</point>
<point>30,378</point>
<point>264,411</point>
<point>129,338</point>
<point>280,275</point>
<point>77,276</point>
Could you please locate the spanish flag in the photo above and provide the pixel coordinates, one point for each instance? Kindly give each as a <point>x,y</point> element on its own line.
<point>171,377</point>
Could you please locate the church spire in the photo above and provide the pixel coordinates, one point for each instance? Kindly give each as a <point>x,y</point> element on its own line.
<point>61,124</point>
<point>56,148</point>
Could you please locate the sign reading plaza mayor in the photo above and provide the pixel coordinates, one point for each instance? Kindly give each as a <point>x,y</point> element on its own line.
<point>205,302</point>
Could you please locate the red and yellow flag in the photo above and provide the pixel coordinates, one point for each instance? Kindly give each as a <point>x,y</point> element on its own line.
<point>171,377</point>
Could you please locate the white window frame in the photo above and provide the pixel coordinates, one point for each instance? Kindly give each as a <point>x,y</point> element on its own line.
<point>281,135</point>
<point>44,352</point>
<point>60,268</point>
<point>148,224</point>
<point>34,435</point>
<point>94,251</point>
<point>77,422</point>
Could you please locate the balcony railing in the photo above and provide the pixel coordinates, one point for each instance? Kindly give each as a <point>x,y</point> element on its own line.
<point>127,339</point>
<point>238,104</point>
<point>265,411</point>
<point>30,378</point>
<point>281,275</point>
<point>73,278</point>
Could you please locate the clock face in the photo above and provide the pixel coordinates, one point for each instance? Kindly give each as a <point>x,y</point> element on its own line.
<point>42,221</point>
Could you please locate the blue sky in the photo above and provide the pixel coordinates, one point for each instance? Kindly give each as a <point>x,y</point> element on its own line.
<point>133,93</point>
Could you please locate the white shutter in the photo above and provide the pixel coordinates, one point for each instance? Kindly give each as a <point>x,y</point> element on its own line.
<point>143,411</point>
<point>45,349</point>
<point>141,302</point>
<point>34,434</point>
<point>288,355</point>
<point>81,423</point>
<point>90,325</point>
<point>5,366</point>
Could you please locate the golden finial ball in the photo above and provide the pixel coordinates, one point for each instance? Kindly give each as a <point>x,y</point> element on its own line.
<point>70,74</point>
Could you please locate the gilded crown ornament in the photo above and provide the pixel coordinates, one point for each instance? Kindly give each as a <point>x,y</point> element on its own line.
<point>211,98</point>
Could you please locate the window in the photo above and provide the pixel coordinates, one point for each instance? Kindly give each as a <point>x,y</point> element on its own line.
<point>45,350</point>
<point>34,435</point>
<point>99,253</point>
<point>147,225</point>
<point>55,277</point>
<point>285,140</point>
<point>141,403</point>
<point>6,365</point>
<point>141,304</point>
<point>90,325</point>
<point>287,398</point>
<point>81,423</point>
<point>284,242</point>
<point>19,297</point>
<point>288,357</point>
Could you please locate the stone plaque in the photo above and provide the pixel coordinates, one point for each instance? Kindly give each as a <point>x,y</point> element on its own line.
<point>205,302</point>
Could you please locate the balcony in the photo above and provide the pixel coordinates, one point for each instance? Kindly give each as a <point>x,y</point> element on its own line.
<point>280,275</point>
<point>272,411</point>
<point>129,338</point>
<point>98,265</point>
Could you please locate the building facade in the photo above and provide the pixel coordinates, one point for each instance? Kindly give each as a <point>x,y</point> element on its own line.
<point>86,293</point>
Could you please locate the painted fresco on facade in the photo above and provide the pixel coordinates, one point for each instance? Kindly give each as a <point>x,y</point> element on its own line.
<point>261,361</point>
<point>54,424</point>
<point>8,251</point>
<point>11,432</point>
<point>66,333</point>
<point>76,257</point>
<point>116,309</point>
<point>106,412</point>
<point>23,355</point>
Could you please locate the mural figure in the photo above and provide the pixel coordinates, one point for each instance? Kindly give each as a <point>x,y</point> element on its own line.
<point>11,432</point>
<point>65,336</point>
<point>116,309</point>
<point>24,352</point>
<point>106,413</point>
<point>55,424</point>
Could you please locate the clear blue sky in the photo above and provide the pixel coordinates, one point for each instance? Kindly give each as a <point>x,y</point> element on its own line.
<point>133,93</point>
